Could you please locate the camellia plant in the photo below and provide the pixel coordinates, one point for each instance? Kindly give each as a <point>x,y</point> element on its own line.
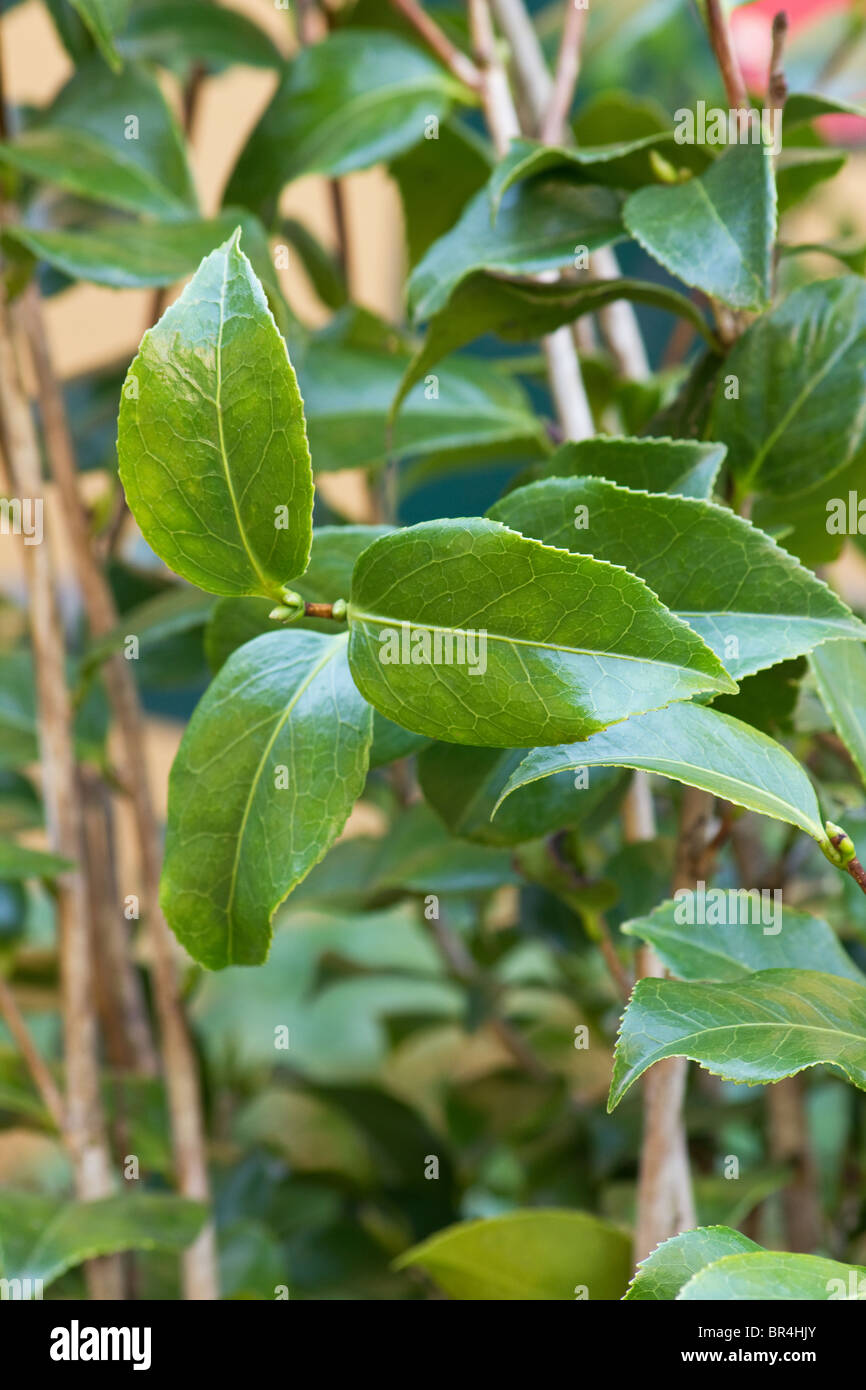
<point>610,723</point>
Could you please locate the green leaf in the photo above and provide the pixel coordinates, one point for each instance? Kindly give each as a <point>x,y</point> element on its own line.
<point>86,144</point>
<point>716,231</point>
<point>538,227</point>
<point>324,272</point>
<point>348,394</point>
<point>41,1237</point>
<point>178,32</point>
<point>805,106</point>
<point>18,862</point>
<point>750,601</point>
<point>526,1255</point>
<point>773,1275</point>
<point>464,784</point>
<point>436,180</point>
<point>702,748</point>
<point>347,103</point>
<point>105,19</point>
<point>520,310</point>
<point>664,1272</point>
<point>763,1028</point>
<point>211,441</point>
<point>684,467</point>
<point>802,375</point>
<point>269,768</point>
<point>799,171</point>
<point>840,673</point>
<point>140,255</point>
<point>617,163</point>
<point>541,641</point>
<point>747,938</point>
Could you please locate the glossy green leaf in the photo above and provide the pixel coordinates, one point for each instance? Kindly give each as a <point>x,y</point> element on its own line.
<point>840,673</point>
<point>18,862</point>
<point>211,440</point>
<point>759,1029</point>
<point>355,100</point>
<point>526,1255</point>
<point>716,231</point>
<point>539,225</point>
<point>801,371</point>
<point>269,768</point>
<point>749,936</point>
<point>539,641</point>
<point>464,784</point>
<point>751,602</point>
<point>87,143</point>
<point>664,1272</point>
<point>774,1275</point>
<point>187,31</point>
<point>618,163</point>
<point>140,255</point>
<point>700,747</point>
<point>348,394</point>
<point>41,1237</point>
<point>684,467</point>
<point>105,19</point>
<point>518,310</point>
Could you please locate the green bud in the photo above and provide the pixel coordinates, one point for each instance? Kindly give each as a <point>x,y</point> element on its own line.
<point>840,847</point>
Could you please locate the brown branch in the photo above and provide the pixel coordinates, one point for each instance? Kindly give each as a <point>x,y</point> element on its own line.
<point>438,41</point>
<point>36,1065</point>
<point>84,1129</point>
<point>729,67</point>
<point>777,86</point>
<point>179,1061</point>
<point>567,70</point>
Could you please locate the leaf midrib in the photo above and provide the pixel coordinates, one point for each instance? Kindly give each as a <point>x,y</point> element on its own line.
<point>335,645</point>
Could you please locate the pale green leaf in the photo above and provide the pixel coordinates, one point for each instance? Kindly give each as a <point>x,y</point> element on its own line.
<point>775,1275</point>
<point>526,1255</point>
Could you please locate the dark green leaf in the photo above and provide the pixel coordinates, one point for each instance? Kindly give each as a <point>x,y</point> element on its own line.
<point>763,1028</point>
<point>715,231</point>
<point>752,603</point>
<point>269,768</point>
<point>540,641</point>
<point>345,104</point>
<point>684,467</point>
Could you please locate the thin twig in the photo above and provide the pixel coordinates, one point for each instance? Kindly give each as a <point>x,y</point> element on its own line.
<point>84,1129</point>
<point>729,67</point>
<point>36,1065</point>
<point>438,41</point>
<point>179,1061</point>
<point>565,78</point>
<point>777,86</point>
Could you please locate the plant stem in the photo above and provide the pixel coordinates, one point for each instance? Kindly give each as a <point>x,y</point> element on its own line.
<point>35,1063</point>
<point>179,1061</point>
<point>720,38</point>
<point>438,41</point>
<point>565,78</point>
<point>84,1129</point>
